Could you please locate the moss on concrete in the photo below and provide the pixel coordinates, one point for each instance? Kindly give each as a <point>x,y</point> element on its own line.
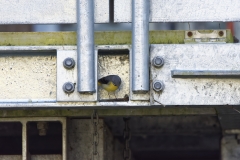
<point>107,112</point>
<point>101,38</point>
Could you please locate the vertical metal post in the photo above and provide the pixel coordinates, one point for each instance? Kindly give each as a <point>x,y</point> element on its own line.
<point>85,46</point>
<point>140,45</point>
<point>24,141</point>
<point>64,139</point>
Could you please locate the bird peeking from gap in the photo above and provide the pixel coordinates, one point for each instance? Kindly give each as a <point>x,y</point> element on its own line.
<point>110,83</point>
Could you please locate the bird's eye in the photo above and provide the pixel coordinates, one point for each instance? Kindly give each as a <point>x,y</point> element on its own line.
<point>114,84</point>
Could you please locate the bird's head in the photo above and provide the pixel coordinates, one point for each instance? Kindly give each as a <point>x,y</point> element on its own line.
<point>116,81</point>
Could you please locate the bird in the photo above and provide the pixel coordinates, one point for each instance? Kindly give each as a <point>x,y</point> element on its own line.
<point>110,83</point>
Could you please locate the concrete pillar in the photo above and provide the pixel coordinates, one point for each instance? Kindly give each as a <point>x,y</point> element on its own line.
<point>80,138</point>
<point>230,148</point>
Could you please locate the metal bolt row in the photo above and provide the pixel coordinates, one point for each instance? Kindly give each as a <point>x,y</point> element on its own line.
<point>68,87</point>
<point>158,62</point>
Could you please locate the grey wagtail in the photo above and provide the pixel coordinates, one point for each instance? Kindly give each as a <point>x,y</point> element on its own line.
<point>110,83</point>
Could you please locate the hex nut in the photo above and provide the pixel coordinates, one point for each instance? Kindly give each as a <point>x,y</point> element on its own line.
<point>158,86</point>
<point>68,87</point>
<point>158,61</point>
<point>69,63</point>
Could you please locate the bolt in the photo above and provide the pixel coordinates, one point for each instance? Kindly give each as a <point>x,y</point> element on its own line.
<point>158,61</point>
<point>69,63</point>
<point>68,87</point>
<point>158,86</point>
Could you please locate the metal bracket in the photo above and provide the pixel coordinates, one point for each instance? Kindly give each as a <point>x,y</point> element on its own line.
<point>66,77</point>
<point>216,36</point>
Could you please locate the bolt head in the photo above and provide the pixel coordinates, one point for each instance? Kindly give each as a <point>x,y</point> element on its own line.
<point>158,86</point>
<point>69,63</point>
<point>68,87</point>
<point>158,61</point>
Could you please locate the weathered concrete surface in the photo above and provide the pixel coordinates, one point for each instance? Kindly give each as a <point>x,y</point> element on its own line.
<point>33,157</point>
<point>108,112</point>
<point>80,138</point>
<point>47,157</point>
<point>230,148</point>
<point>114,65</point>
<point>28,77</point>
<point>11,157</point>
<point>118,150</point>
<point>171,137</point>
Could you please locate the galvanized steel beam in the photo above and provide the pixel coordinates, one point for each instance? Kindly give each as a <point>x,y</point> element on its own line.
<point>140,46</point>
<point>182,11</point>
<point>48,11</point>
<point>196,74</point>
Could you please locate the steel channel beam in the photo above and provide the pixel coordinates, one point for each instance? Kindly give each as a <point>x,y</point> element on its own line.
<point>140,46</point>
<point>85,46</point>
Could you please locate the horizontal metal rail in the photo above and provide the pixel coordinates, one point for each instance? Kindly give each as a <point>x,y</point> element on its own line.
<point>205,74</point>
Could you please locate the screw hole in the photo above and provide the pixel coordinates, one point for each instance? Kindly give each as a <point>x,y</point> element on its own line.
<point>220,33</point>
<point>190,34</point>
